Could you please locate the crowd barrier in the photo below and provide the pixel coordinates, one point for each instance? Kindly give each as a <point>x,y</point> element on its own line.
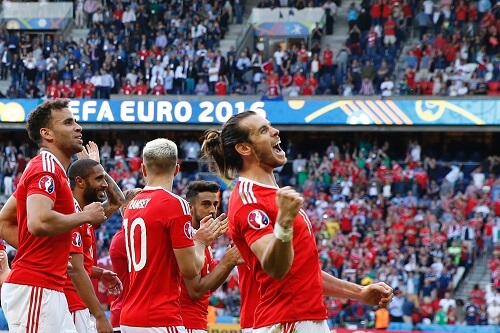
<point>383,112</point>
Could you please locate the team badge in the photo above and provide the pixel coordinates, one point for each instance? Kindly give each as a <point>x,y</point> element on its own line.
<point>257,219</point>
<point>188,230</point>
<point>76,239</point>
<point>47,184</point>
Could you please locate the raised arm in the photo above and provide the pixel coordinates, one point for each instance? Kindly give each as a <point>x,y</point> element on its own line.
<point>191,259</point>
<point>199,286</point>
<point>275,251</point>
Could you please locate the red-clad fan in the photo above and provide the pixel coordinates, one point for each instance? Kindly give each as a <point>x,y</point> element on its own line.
<point>78,88</point>
<point>53,90</point>
<point>127,88</point>
<point>273,232</point>
<point>272,79</point>
<point>286,79</point>
<point>302,53</point>
<point>46,216</point>
<point>221,86</point>
<point>141,88</point>
<point>311,80</point>
<point>299,79</point>
<point>158,89</point>
<point>88,89</point>
<point>143,53</point>
<point>273,91</point>
<point>65,89</point>
<point>308,89</point>
<point>328,58</point>
<point>160,246</point>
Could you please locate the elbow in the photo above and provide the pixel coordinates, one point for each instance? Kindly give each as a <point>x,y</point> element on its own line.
<point>194,295</point>
<point>36,228</point>
<point>275,272</point>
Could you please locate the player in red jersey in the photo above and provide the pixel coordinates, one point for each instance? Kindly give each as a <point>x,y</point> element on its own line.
<point>203,201</point>
<point>90,183</point>
<point>274,234</point>
<point>118,256</point>
<point>160,246</point>
<point>32,295</point>
<point>249,297</point>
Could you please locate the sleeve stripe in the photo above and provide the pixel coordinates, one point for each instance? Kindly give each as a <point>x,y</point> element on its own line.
<point>48,163</point>
<point>184,204</point>
<point>246,193</point>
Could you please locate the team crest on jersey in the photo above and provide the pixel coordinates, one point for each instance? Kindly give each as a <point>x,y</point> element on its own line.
<point>257,219</point>
<point>76,239</point>
<point>47,184</point>
<point>188,230</point>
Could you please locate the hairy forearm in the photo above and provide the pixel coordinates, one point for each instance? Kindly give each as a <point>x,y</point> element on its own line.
<point>115,197</point>
<point>210,282</point>
<point>199,261</point>
<point>335,287</point>
<point>277,258</point>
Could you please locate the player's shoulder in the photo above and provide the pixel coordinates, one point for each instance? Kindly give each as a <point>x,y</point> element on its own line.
<point>250,192</point>
<point>45,162</point>
<point>162,198</point>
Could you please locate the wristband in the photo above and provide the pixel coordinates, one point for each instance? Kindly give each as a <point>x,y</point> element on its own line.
<point>284,235</point>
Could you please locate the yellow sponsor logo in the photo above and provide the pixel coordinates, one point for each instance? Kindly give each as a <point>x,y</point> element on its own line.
<point>12,112</point>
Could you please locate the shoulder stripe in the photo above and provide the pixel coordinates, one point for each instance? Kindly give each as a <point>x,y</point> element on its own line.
<point>246,193</point>
<point>48,163</point>
<point>183,202</point>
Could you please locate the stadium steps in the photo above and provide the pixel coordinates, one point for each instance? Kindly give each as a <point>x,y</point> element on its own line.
<point>230,38</point>
<point>340,29</point>
<point>478,274</point>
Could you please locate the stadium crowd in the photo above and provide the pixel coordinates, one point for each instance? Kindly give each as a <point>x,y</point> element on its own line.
<point>417,224</point>
<point>137,48</point>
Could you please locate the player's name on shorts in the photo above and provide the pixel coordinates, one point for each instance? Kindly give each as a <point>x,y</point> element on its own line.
<point>138,204</point>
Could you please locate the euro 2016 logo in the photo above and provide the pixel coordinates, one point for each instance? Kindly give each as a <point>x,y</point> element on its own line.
<point>257,219</point>
<point>188,230</point>
<point>47,184</point>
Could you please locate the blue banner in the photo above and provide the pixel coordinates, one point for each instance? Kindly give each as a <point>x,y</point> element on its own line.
<point>36,23</point>
<point>292,112</point>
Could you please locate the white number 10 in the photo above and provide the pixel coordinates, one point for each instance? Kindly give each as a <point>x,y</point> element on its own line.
<point>130,245</point>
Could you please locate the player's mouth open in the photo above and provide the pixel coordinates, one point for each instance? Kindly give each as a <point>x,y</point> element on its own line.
<point>277,149</point>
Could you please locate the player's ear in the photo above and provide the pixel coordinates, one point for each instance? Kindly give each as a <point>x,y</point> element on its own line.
<point>243,148</point>
<point>144,172</point>
<point>177,169</point>
<point>46,133</point>
<point>80,182</point>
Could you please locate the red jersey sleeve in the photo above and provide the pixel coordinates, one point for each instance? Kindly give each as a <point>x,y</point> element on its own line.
<point>181,230</point>
<point>44,183</point>
<point>76,241</point>
<point>254,222</point>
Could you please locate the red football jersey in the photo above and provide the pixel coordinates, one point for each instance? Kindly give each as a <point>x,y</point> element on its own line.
<point>42,261</point>
<point>249,294</point>
<point>194,313</point>
<point>81,242</point>
<point>118,255</point>
<point>252,215</point>
<point>155,223</point>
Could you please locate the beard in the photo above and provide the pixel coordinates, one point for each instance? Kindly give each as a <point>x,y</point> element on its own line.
<point>91,195</point>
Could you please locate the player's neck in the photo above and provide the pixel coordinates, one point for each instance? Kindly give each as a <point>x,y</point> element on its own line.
<point>259,175</point>
<point>160,181</point>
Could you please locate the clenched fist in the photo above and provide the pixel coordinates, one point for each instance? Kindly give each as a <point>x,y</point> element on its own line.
<point>289,203</point>
<point>95,212</point>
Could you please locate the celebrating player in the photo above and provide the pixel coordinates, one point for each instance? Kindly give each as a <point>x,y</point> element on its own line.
<point>32,295</point>
<point>273,232</point>
<point>159,242</point>
<point>203,201</point>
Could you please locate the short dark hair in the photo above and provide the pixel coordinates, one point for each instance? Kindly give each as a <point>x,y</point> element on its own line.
<point>219,146</point>
<point>41,117</point>
<point>199,186</point>
<point>80,168</point>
